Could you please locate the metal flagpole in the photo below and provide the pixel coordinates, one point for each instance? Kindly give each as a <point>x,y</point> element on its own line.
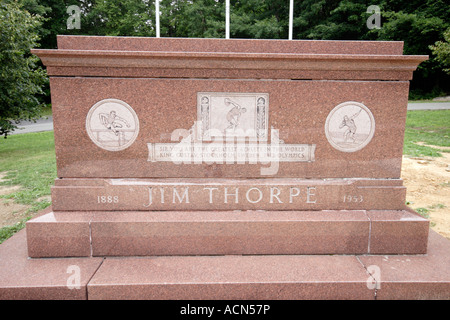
<point>227,19</point>
<point>291,18</point>
<point>157,18</point>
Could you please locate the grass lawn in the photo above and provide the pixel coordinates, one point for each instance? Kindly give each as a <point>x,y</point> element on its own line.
<point>29,159</point>
<point>429,127</point>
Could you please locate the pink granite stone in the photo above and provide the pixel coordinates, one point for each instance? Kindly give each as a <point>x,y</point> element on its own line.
<point>140,233</point>
<point>228,233</point>
<point>413,277</point>
<point>22,278</point>
<point>229,45</point>
<point>398,232</point>
<point>298,109</point>
<point>216,58</point>
<point>231,277</point>
<point>226,194</point>
<point>335,112</point>
<point>127,72</point>
<point>59,235</point>
<point>160,80</point>
<point>227,277</point>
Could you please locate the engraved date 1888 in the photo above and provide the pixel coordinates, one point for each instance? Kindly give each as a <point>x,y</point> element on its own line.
<point>107,199</point>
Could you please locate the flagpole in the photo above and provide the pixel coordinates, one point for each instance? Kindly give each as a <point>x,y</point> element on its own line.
<point>291,18</point>
<point>157,18</point>
<point>227,19</point>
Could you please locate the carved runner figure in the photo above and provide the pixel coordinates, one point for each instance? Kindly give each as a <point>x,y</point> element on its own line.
<point>112,121</point>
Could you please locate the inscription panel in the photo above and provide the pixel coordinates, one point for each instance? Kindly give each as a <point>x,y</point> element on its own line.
<point>219,194</point>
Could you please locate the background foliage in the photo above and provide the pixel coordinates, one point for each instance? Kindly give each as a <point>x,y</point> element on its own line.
<point>21,79</point>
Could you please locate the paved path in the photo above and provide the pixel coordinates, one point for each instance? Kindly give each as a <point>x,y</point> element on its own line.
<point>46,124</point>
<point>429,106</point>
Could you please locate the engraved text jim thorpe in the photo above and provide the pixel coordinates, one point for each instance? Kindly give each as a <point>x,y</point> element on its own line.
<point>211,195</point>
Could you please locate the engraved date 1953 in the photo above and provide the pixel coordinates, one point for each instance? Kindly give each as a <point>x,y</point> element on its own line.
<point>353,198</point>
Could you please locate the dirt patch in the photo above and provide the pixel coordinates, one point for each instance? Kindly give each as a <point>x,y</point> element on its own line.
<point>428,188</point>
<point>10,212</point>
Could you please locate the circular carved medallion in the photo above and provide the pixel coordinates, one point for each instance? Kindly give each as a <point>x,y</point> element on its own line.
<point>350,126</point>
<point>112,124</point>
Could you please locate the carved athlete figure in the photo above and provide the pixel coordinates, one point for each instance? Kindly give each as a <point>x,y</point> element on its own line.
<point>349,122</point>
<point>113,122</point>
<point>234,114</point>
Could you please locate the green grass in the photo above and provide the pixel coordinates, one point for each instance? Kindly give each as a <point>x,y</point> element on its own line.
<point>432,127</point>
<point>8,231</point>
<point>47,111</point>
<point>29,161</point>
<point>425,212</point>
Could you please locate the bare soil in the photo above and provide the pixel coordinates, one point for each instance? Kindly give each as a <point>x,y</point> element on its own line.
<point>427,181</point>
<point>10,212</point>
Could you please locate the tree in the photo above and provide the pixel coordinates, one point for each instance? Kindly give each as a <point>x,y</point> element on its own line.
<point>119,18</point>
<point>199,19</point>
<point>442,50</point>
<point>21,79</point>
<point>259,19</point>
<point>419,23</point>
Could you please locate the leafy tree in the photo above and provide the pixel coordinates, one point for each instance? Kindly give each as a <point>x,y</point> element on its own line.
<point>418,23</point>
<point>442,50</point>
<point>119,18</point>
<point>193,19</point>
<point>21,79</point>
<point>259,19</point>
<point>333,20</point>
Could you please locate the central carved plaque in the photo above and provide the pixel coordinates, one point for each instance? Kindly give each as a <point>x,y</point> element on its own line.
<point>227,114</point>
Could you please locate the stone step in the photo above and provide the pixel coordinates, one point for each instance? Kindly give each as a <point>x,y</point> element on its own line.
<point>226,277</point>
<point>161,233</point>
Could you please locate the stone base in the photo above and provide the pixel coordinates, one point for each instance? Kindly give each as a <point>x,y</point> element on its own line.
<point>226,277</point>
<point>157,233</point>
<point>215,194</point>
